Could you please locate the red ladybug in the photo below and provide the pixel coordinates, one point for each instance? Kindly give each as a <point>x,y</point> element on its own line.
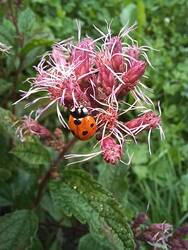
<point>81,124</point>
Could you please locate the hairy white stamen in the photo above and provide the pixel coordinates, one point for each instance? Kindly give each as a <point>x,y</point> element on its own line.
<point>149,141</point>
<point>129,159</point>
<point>88,157</point>
<point>61,119</point>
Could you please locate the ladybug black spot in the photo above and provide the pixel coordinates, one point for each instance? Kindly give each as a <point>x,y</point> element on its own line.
<point>91,125</point>
<point>77,122</point>
<point>84,132</point>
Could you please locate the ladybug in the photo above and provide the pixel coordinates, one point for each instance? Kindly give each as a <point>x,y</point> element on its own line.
<point>81,124</point>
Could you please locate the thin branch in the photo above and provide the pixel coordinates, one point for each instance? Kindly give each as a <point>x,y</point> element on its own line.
<point>20,38</point>
<point>54,166</point>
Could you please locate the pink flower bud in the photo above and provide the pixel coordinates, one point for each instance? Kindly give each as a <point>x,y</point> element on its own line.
<point>105,76</point>
<point>35,128</point>
<point>111,151</point>
<point>133,74</point>
<point>177,240</point>
<point>58,55</point>
<point>157,233</point>
<point>133,52</point>
<point>58,133</point>
<point>131,77</point>
<point>81,57</point>
<point>149,120</point>
<point>140,219</point>
<point>30,126</point>
<point>117,60</point>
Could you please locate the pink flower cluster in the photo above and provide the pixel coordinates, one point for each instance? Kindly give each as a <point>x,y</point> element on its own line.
<point>101,75</point>
<point>159,235</point>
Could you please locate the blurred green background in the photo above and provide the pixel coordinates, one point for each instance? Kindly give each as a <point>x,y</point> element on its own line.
<point>158,183</point>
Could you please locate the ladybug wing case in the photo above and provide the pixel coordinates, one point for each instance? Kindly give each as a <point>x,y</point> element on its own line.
<point>83,128</point>
<point>87,128</point>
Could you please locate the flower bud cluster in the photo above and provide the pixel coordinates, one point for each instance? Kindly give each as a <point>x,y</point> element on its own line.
<point>99,75</point>
<point>159,235</point>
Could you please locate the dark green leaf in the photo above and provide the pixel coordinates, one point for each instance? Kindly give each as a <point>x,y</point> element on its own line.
<point>26,20</point>
<point>36,43</point>
<point>88,243</point>
<point>17,230</point>
<point>4,174</point>
<point>7,121</point>
<point>79,195</point>
<point>4,86</point>
<point>7,32</point>
<point>32,152</point>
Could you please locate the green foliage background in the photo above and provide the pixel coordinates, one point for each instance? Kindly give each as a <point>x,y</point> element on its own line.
<point>157,184</point>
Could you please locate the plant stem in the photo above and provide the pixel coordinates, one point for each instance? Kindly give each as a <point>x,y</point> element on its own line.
<point>20,41</point>
<point>54,166</point>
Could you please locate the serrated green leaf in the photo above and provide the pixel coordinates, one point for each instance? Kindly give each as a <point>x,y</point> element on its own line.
<point>7,32</point>
<point>36,43</point>
<point>26,20</point>
<point>19,190</point>
<point>17,230</point>
<point>32,152</point>
<point>79,195</point>
<point>6,122</point>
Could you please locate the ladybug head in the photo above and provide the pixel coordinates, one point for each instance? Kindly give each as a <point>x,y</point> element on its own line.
<point>79,112</point>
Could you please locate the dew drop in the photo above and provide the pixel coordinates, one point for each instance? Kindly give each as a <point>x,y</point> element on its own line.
<point>101,207</point>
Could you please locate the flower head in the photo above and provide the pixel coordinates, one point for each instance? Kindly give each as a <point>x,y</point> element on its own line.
<point>98,74</point>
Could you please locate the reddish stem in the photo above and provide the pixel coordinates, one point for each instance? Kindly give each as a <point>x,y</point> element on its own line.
<point>54,166</point>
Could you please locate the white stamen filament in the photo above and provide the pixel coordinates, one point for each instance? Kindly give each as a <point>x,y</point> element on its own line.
<point>88,157</point>
<point>61,119</point>
<point>149,141</point>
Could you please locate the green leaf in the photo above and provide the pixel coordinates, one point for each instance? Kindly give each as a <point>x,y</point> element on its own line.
<point>88,243</point>
<point>37,245</point>
<point>141,171</point>
<point>48,205</point>
<point>128,14</point>
<point>115,180</point>
<point>32,152</point>
<point>26,20</point>
<point>36,43</point>
<point>17,230</point>
<point>140,154</point>
<point>7,32</point>
<point>4,174</point>
<point>5,86</point>
<point>6,122</point>
<point>79,195</point>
